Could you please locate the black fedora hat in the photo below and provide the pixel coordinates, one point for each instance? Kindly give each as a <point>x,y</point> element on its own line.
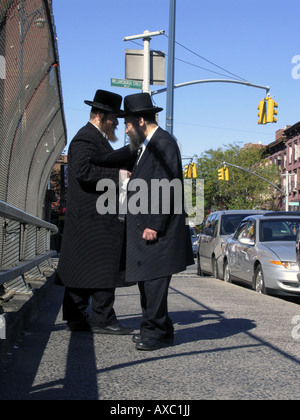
<point>106,101</point>
<point>139,104</point>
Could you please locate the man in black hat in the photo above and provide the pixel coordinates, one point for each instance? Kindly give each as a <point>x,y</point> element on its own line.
<point>158,240</point>
<point>89,263</point>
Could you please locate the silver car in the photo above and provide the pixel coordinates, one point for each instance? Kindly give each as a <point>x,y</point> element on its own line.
<point>218,226</point>
<point>262,253</point>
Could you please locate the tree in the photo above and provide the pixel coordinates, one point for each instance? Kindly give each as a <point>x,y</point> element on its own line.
<point>243,190</point>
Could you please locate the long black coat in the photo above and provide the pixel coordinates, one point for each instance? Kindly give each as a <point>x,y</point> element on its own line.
<point>92,243</point>
<point>172,252</point>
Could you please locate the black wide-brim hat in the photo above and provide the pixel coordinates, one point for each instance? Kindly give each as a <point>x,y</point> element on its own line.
<point>139,104</point>
<point>106,101</point>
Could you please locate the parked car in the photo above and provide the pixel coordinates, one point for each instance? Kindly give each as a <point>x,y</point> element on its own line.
<point>194,240</point>
<point>262,253</point>
<point>211,245</point>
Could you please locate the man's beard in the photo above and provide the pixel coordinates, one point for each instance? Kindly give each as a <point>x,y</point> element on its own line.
<point>135,139</point>
<point>110,131</point>
<point>111,135</point>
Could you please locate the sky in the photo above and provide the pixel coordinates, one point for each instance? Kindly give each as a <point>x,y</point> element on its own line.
<point>255,41</point>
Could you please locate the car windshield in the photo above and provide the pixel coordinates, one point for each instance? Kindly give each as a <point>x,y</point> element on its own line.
<point>230,222</point>
<point>279,230</point>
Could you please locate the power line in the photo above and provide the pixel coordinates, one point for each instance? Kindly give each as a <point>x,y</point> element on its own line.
<point>208,61</point>
<point>203,68</point>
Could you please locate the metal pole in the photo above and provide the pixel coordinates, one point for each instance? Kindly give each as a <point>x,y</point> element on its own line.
<point>194,82</point>
<point>286,190</point>
<point>146,76</point>
<point>171,57</point>
<point>253,173</point>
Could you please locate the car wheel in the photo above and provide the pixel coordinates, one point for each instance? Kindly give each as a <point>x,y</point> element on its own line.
<point>259,284</point>
<point>227,277</point>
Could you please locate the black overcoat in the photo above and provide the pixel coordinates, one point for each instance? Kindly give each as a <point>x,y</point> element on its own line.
<point>92,243</point>
<point>172,252</point>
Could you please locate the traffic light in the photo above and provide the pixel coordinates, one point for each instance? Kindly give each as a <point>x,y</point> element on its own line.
<point>226,171</point>
<point>271,111</point>
<point>186,171</point>
<point>194,170</point>
<point>262,112</point>
<point>221,174</point>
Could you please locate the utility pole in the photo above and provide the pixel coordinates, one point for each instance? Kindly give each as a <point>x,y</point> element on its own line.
<point>286,175</point>
<point>170,77</point>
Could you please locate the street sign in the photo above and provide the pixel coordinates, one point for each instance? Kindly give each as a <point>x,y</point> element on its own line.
<point>134,66</point>
<point>294,203</point>
<point>126,83</point>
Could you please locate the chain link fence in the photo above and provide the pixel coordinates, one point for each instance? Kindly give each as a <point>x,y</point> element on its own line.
<point>32,132</point>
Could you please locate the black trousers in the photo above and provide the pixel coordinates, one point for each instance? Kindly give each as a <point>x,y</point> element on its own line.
<point>76,302</point>
<point>156,322</point>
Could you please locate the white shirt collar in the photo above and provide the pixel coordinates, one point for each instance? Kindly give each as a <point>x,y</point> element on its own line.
<point>150,135</point>
<point>145,142</point>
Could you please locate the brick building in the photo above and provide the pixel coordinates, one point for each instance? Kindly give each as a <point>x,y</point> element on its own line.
<point>285,153</point>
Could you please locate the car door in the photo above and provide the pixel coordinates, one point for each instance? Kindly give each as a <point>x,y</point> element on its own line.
<point>206,243</point>
<point>231,250</point>
<point>245,252</point>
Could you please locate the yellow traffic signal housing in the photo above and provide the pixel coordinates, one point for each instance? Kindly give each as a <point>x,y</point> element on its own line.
<point>190,171</point>
<point>262,119</point>
<point>186,171</point>
<point>194,170</point>
<point>221,174</point>
<point>226,174</point>
<point>271,111</point>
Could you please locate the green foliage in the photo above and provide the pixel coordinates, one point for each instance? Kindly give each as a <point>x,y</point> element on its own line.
<point>243,190</point>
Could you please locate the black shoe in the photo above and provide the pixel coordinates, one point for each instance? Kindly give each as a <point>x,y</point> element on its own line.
<point>115,329</point>
<point>80,325</point>
<point>137,337</point>
<point>150,344</point>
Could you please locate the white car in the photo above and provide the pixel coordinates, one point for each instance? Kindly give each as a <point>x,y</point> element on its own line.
<point>262,253</point>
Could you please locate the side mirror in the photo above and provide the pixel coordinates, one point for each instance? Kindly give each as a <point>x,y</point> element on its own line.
<point>246,241</point>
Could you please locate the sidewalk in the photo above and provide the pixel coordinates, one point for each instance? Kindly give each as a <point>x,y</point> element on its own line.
<point>230,343</point>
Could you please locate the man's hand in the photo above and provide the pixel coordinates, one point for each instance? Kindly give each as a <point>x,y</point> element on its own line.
<point>124,175</point>
<point>150,235</point>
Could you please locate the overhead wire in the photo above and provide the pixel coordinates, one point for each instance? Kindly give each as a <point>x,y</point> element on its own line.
<point>210,62</point>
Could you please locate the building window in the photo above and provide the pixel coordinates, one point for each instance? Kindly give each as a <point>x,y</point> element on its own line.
<point>290,153</point>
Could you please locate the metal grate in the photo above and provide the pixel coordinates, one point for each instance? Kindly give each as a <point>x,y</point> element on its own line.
<point>32,129</point>
<point>32,136</point>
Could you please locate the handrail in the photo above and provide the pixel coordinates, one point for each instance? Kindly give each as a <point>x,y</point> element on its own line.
<point>13,213</point>
<point>39,252</point>
<point>7,274</point>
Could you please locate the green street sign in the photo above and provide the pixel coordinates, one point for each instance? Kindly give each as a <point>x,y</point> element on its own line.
<point>126,83</point>
<point>294,203</point>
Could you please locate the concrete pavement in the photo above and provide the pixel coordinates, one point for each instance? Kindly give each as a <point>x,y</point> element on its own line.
<point>230,343</point>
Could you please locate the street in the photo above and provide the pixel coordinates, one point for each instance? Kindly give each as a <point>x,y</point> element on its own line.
<point>230,343</point>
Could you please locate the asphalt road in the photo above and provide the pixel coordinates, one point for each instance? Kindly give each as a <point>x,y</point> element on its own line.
<point>230,343</point>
